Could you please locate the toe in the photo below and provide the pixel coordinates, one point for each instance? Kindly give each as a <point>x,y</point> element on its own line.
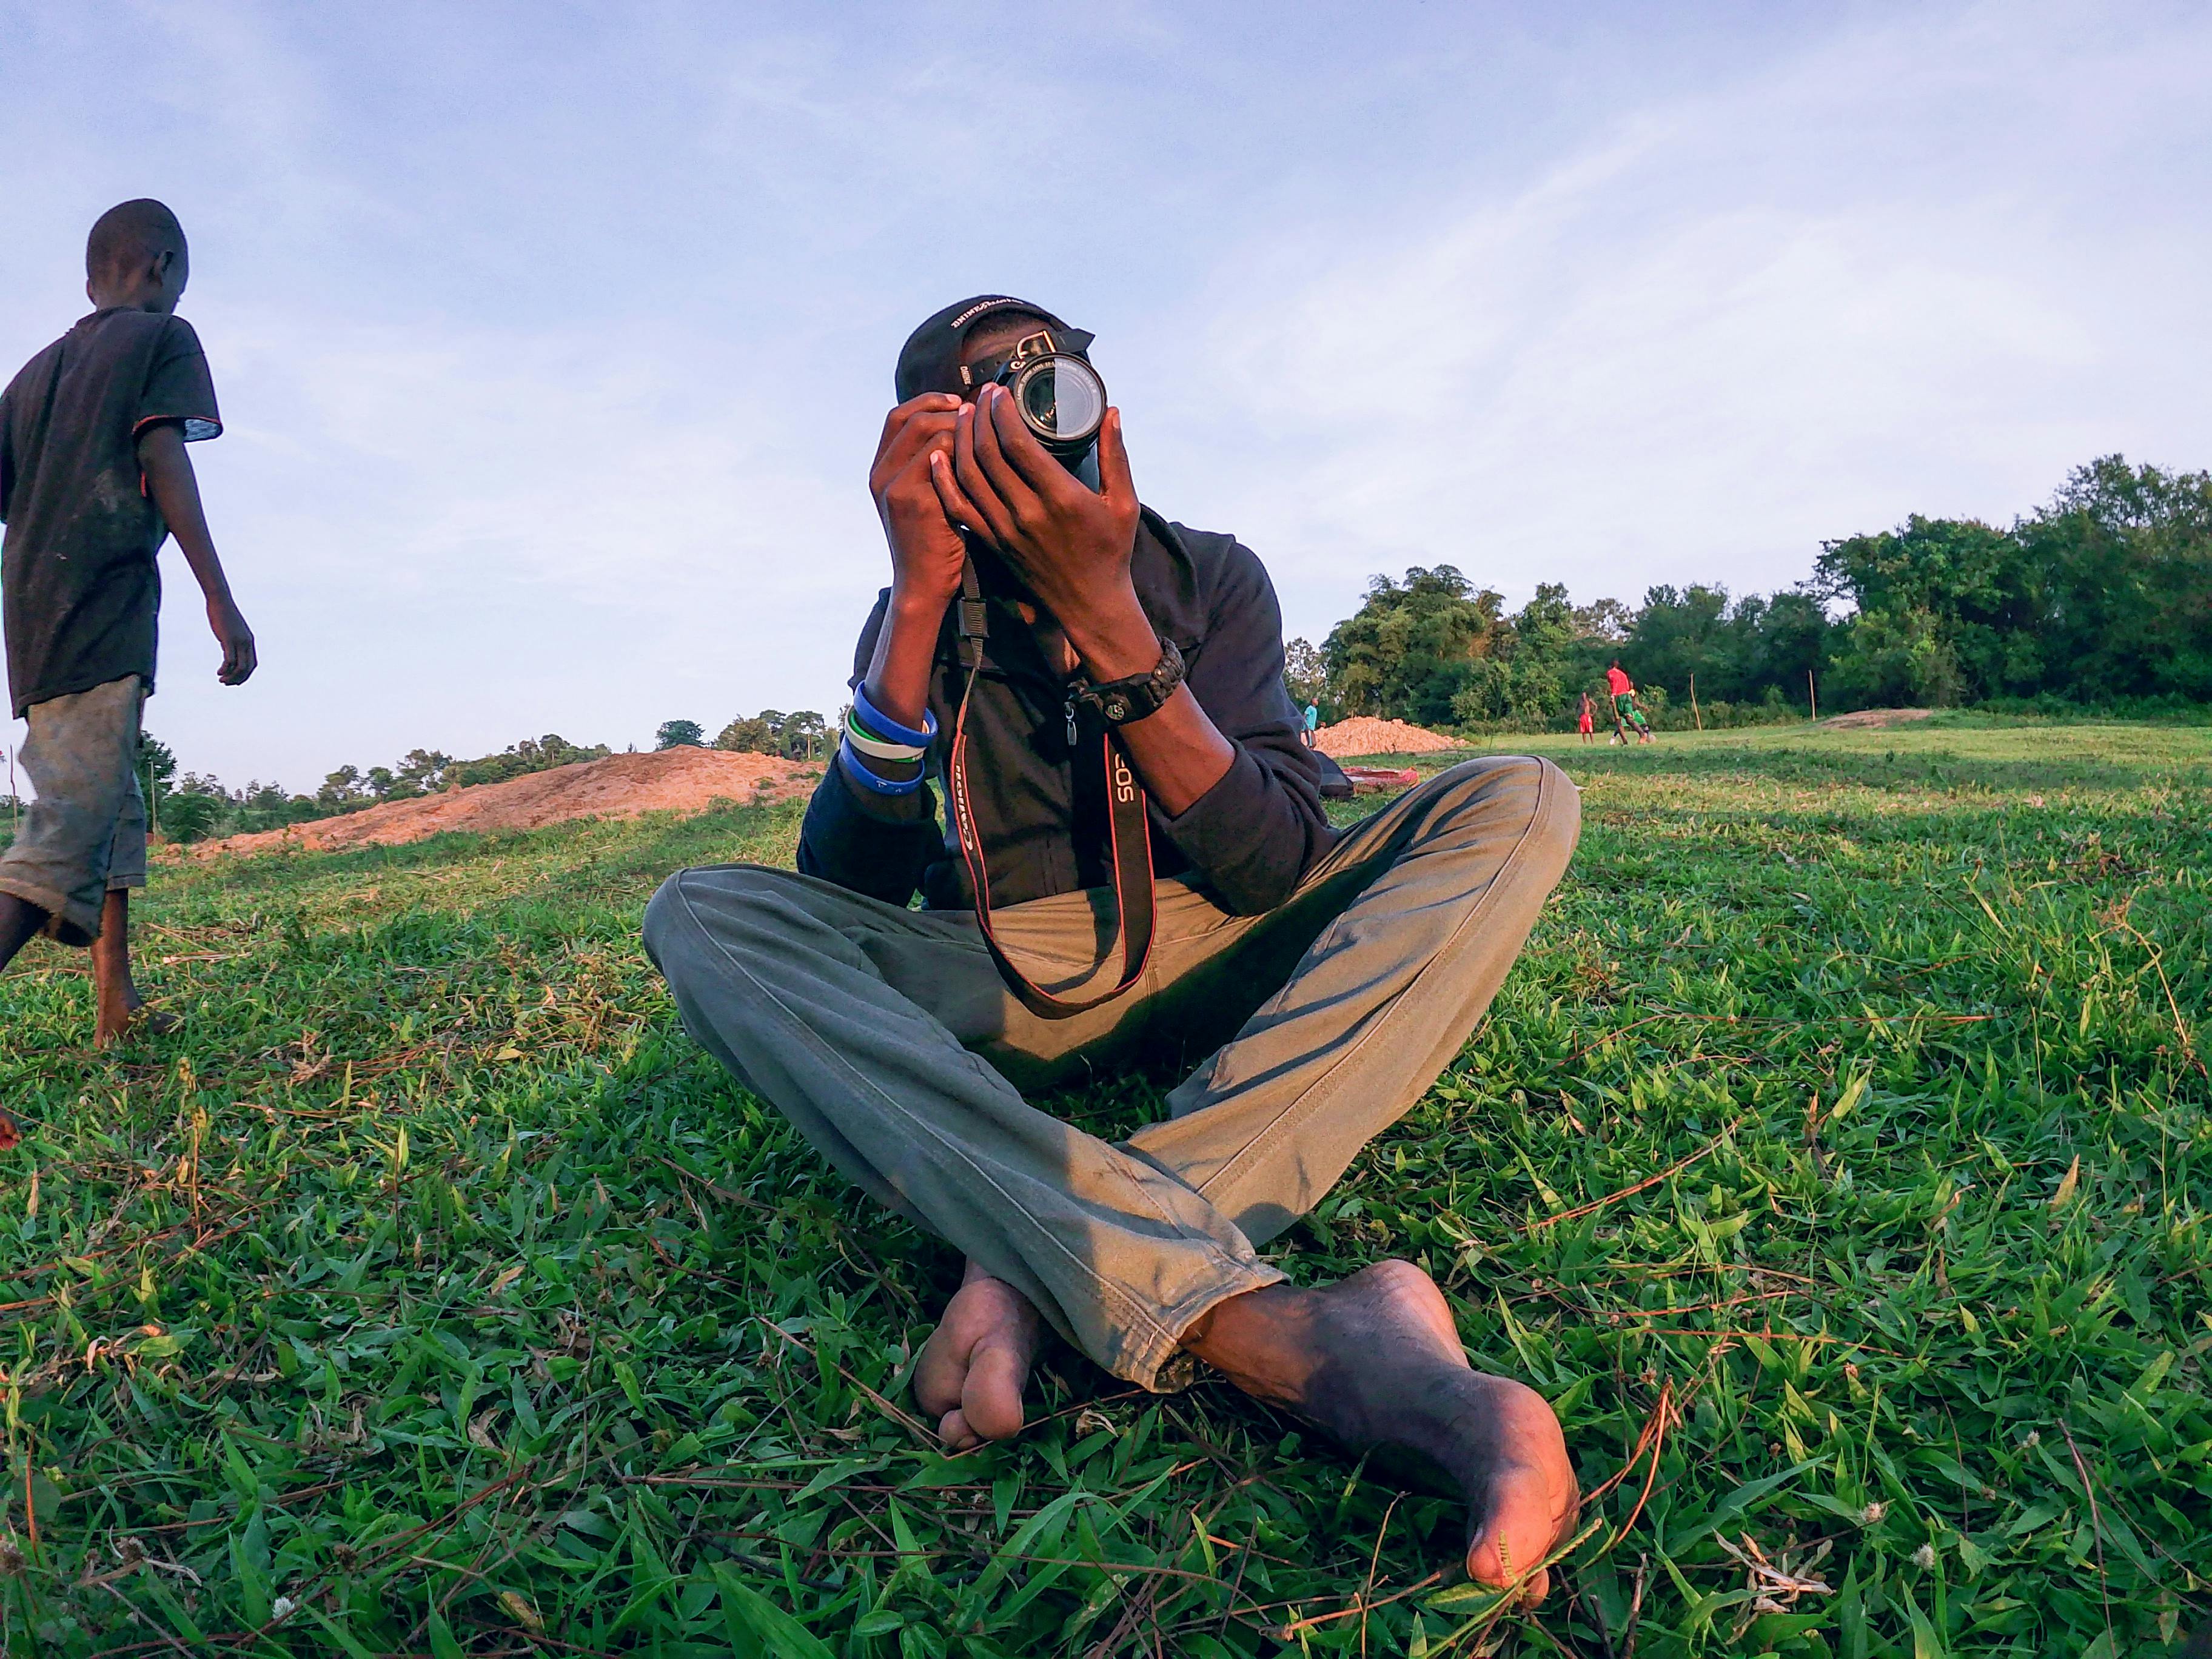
<point>952,1429</point>
<point>1528,1518</point>
<point>991,1398</point>
<point>937,1375</point>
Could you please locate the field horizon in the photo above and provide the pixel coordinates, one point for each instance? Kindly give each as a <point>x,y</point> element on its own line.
<point>1835,1160</point>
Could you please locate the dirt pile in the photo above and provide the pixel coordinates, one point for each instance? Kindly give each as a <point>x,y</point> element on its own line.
<point>1865,717</point>
<point>619,787</point>
<point>1364,735</point>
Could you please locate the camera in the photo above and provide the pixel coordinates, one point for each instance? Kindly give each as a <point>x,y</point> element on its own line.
<point>1058,395</point>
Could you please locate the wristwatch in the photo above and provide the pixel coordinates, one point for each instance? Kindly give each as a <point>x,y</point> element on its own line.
<point>1117,702</point>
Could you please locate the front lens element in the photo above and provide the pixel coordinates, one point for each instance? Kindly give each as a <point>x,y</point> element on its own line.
<point>1061,399</point>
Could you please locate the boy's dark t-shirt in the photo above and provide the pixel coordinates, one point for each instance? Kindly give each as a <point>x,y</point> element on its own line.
<point>80,587</point>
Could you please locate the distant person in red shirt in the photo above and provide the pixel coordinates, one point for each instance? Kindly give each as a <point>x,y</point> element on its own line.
<point>1625,708</point>
<point>1582,722</point>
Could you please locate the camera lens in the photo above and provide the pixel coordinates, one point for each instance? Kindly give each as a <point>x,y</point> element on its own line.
<point>1062,400</point>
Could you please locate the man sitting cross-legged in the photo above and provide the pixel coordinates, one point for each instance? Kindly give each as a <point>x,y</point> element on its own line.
<point>1326,977</point>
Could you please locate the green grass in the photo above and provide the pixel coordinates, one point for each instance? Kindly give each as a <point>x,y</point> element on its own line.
<point>1843,1131</point>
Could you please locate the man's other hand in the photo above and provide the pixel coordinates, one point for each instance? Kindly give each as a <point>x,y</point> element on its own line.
<point>1070,547</point>
<point>236,638</point>
<point>927,550</point>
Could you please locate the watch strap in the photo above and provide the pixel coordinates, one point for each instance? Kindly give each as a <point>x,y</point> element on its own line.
<point>1116,702</point>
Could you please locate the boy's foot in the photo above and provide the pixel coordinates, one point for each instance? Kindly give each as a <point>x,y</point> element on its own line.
<point>132,1018</point>
<point>974,1364</point>
<point>1375,1361</point>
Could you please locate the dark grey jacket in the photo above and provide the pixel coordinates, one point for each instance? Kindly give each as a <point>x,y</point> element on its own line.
<point>1041,807</point>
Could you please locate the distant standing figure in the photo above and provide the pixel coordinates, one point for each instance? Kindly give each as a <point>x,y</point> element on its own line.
<point>1625,707</point>
<point>93,479</point>
<point>1582,721</point>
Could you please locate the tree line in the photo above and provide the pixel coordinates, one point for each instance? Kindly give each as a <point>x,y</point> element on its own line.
<point>800,735</point>
<point>2101,597</point>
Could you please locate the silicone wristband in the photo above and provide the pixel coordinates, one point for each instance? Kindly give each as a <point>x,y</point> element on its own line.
<point>857,735</point>
<point>890,731</point>
<point>869,780</point>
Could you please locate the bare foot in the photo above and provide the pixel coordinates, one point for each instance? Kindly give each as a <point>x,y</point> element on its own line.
<point>1375,1361</point>
<point>976,1360</point>
<point>118,1019</point>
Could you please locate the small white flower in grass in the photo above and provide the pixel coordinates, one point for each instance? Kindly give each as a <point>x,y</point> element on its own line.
<point>281,1609</point>
<point>1924,1557</point>
<point>1873,1513</point>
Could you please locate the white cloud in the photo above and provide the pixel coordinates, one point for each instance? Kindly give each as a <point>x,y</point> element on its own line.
<point>1855,287</point>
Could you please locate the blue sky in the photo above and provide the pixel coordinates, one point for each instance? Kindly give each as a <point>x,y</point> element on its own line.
<point>554,340</point>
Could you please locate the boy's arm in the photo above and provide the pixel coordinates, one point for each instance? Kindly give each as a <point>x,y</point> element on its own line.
<point>176,492</point>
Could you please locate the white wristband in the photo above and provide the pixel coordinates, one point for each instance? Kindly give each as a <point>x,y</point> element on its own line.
<point>875,748</point>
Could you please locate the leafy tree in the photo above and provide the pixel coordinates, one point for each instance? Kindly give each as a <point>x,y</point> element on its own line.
<point>192,815</point>
<point>1548,626</point>
<point>1896,658</point>
<point>2123,556</point>
<point>751,734</point>
<point>157,763</point>
<point>1409,648</point>
<point>423,770</point>
<point>679,734</point>
<point>1523,687</point>
<point>341,789</point>
<point>1607,621</point>
<point>802,732</point>
<point>1305,677</point>
<point>1676,634</point>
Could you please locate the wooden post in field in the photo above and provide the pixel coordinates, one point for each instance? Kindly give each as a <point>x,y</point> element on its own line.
<point>1694,714</point>
<point>1811,695</point>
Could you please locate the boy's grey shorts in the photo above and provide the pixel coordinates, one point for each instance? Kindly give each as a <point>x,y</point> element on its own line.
<point>85,835</point>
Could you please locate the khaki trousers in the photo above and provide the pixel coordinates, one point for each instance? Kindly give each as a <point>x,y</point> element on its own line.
<point>886,1036</point>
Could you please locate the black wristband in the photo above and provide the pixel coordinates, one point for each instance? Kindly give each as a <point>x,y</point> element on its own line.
<point>1117,702</point>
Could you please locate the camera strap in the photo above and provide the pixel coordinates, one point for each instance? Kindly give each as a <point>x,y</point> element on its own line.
<point>1128,824</point>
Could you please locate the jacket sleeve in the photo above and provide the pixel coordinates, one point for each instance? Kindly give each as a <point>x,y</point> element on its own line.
<point>871,844</point>
<point>1257,831</point>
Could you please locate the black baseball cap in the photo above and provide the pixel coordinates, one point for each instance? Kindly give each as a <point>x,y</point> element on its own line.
<point>930,358</point>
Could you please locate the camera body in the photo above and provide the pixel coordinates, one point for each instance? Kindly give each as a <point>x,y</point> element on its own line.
<point>1057,393</point>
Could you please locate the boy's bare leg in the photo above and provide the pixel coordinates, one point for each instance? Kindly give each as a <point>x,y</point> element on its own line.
<point>119,1001</point>
<point>976,1362</point>
<point>19,921</point>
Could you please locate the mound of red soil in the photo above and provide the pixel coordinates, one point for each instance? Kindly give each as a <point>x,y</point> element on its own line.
<point>619,787</point>
<point>1364,735</point>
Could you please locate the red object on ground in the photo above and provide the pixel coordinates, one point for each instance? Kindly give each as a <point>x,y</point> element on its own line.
<point>1381,777</point>
<point>10,1137</point>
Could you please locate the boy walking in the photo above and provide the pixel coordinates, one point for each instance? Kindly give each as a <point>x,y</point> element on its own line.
<point>94,477</point>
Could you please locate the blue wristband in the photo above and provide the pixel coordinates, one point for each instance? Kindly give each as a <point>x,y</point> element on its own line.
<point>890,730</point>
<point>856,769</point>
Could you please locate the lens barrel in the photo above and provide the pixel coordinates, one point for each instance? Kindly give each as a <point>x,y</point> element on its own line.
<point>1060,399</point>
